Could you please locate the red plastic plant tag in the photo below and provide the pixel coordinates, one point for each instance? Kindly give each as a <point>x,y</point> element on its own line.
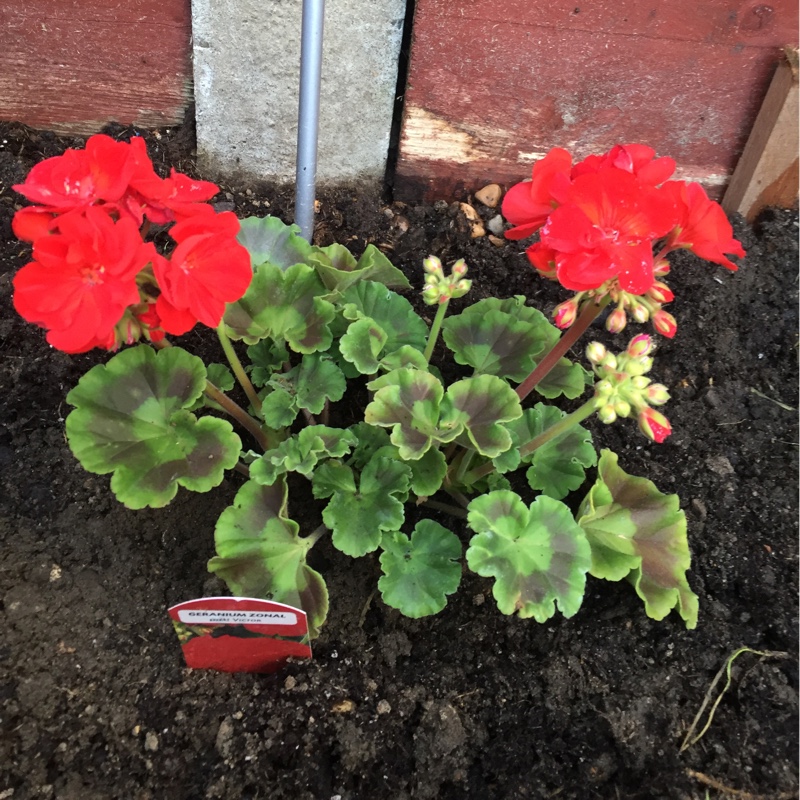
<point>240,634</point>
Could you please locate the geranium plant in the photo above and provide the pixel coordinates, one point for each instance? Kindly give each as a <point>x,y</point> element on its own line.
<point>314,320</point>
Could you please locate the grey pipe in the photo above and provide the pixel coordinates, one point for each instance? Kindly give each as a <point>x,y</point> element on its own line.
<point>308,118</point>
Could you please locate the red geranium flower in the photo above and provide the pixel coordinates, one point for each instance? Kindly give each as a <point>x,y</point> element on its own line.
<point>208,269</point>
<point>702,226</point>
<point>605,229</point>
<point>82,279</point>
<point>79,178</point>
<point>527,205</point>
<point>636,159</point>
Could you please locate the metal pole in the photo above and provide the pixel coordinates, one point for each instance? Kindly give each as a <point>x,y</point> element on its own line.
<point>308,119</point>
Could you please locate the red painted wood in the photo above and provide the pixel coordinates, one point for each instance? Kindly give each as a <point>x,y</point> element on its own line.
<point>493,84</point>
<point>73,65</point>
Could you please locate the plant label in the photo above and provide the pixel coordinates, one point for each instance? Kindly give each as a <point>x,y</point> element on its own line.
<point>240,634</point>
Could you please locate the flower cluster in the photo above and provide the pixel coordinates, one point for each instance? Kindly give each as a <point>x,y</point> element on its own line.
<point>599,220</point>
<point>440,288</point>
<point>93,281</point>
<point>623,388</point>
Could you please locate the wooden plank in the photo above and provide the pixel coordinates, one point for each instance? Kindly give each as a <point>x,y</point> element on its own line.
<point>767,172</point>
<point>492,87</point>
<point>74,65</point>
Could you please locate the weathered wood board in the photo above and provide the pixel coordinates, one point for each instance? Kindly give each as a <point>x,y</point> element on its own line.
<point>74,65</point>
<point>493,86</point>
<point>767,172</point>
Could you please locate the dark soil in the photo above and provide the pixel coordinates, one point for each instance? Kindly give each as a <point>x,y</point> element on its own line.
<point>98,704</point>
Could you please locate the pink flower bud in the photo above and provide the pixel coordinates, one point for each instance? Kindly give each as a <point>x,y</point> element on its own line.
<point>665,323</point>
<point>459,269</point>
<point>661,268</point>
<point>433,266</point>
<point>657,394</point>
<point>639,312</point>
<point>660,292</point>
<point>616,321</point>
<point>640,345</point>
<point>654,425</point>
<point>564,314</point>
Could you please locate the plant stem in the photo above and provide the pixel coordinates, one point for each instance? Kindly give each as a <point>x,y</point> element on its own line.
<point>314,537</point>
<point>576,417</point>
<point>435,328</point>
<point>454,511</point>
<point>239,414</point>
<point>585,319</point>
<point>230,407</point>
<point>238,369</point>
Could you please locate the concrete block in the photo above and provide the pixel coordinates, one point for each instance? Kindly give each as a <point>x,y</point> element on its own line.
<point>247,73</point>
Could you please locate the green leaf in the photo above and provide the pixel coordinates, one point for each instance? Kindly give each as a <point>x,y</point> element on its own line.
<point>302,453</point>
<point>131,419</point>
<point>494,343</point>
<point>370,440</point>
<point>278,406</point>
<point>317,379</point>
<point>339,270</point>
<point>223,379</point>
<point>260,554</point>
<point>358,516</point>
<point>266,357</point>
<point>537,555</point>
<point>404,357</point>
<point>482,403</point>
<point>270,240</point>
<point>420,572</point>
<point>393,313</point>
<point>362,344</point>
<point>412,406</point>
<point>565,378</point>
<point>285,304</point>
<point>636,531</point>
<point>558,467</point>
<point>427,473</point>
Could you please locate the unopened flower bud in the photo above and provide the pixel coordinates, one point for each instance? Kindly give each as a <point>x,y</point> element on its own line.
<point>595,352</point>
<point>661,268</point>
<point>661,293</point>
<point>622,407</point>
<point>461,288</point>
<point>606,414</point>
<point>616,321</point>
<point>640,345</point>
<point>657,394</point>
<point>639,312</point>
<point>459,269</point>
<point>433,266</point>
<point>665,323</point>
<point>603,388</point>
<point>430,294</point>
<point>610,361</point>
<point>654,425</point>
<point>640,382</point>
<point>564,314</point>
<point>639,366</point>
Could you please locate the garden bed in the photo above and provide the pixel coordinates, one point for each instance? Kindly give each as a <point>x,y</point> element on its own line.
<point>97,702</point>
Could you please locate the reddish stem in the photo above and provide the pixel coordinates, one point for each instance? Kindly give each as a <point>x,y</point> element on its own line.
<point>585,318</point>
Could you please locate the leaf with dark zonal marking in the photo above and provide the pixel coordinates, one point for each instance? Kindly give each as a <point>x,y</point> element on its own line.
<point>637,531</point>
<point>131,419</point>
<point>269,240</point>
<point>260,554</point>
<point>538,555</point>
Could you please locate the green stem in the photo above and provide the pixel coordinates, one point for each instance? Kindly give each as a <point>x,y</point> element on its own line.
<point>239,414</point>
<point>314,537</point>
<point>454,511</point>
<point>238,369</point>
<point>575,418</point>
<point>585,319</point>
<point>435,328</point>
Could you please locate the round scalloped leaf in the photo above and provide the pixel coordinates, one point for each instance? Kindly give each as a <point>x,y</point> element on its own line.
<point>420,572</point>
<point>637,531</point>
<point>565,378</point>
<point>130,419</point>
<point>259,553</point>
<point>362,344</point>
<point>427,473</point>
<point>483,403</point>
<point>283,304</point>
<point>394,314</point>
<point>359,516</point>
<point>537,555</point>
<point>317,379</point>
<point>410,402</point>
<point>268,239</point>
